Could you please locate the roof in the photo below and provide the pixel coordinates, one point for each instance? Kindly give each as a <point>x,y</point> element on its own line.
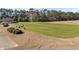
<point>9,20</point>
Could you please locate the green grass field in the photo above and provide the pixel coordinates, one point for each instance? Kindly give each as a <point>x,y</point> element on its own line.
<point>54,30</point>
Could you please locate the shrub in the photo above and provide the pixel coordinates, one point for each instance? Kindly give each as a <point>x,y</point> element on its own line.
<point>5,24</point>
<point>10,29</point>
<point>14,30</point>
<point>17,31</point>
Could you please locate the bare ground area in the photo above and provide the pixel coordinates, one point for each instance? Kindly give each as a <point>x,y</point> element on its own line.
<point>76,22</point>
<point>34,41</point>
<point>5,41</point>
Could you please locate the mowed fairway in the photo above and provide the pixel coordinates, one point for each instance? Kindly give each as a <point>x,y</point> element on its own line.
<point>54,30</point>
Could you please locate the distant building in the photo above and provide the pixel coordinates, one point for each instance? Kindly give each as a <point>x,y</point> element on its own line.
<point>8,20</point>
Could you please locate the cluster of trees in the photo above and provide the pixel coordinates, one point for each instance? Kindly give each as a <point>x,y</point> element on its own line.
<point>38,15</point>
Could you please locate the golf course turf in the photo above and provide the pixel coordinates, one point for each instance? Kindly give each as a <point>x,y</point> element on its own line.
<point>54,30</point>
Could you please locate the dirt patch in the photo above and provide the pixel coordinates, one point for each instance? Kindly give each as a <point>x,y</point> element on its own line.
<point>76,22</point>
<point>5,41</point>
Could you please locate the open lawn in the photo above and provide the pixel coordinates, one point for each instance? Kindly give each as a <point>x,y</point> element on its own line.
<point>54,30</point>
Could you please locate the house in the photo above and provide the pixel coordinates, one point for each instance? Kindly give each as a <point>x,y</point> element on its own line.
<point>8,20</point>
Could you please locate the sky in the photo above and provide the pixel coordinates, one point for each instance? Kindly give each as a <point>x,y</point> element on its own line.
<point>66,9</point>
<point>64,5</point>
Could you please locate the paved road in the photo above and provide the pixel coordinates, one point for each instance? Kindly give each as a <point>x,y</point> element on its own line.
<point>6,43</point>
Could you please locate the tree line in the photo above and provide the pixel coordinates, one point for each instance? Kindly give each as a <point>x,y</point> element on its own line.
<point>35,15</point>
